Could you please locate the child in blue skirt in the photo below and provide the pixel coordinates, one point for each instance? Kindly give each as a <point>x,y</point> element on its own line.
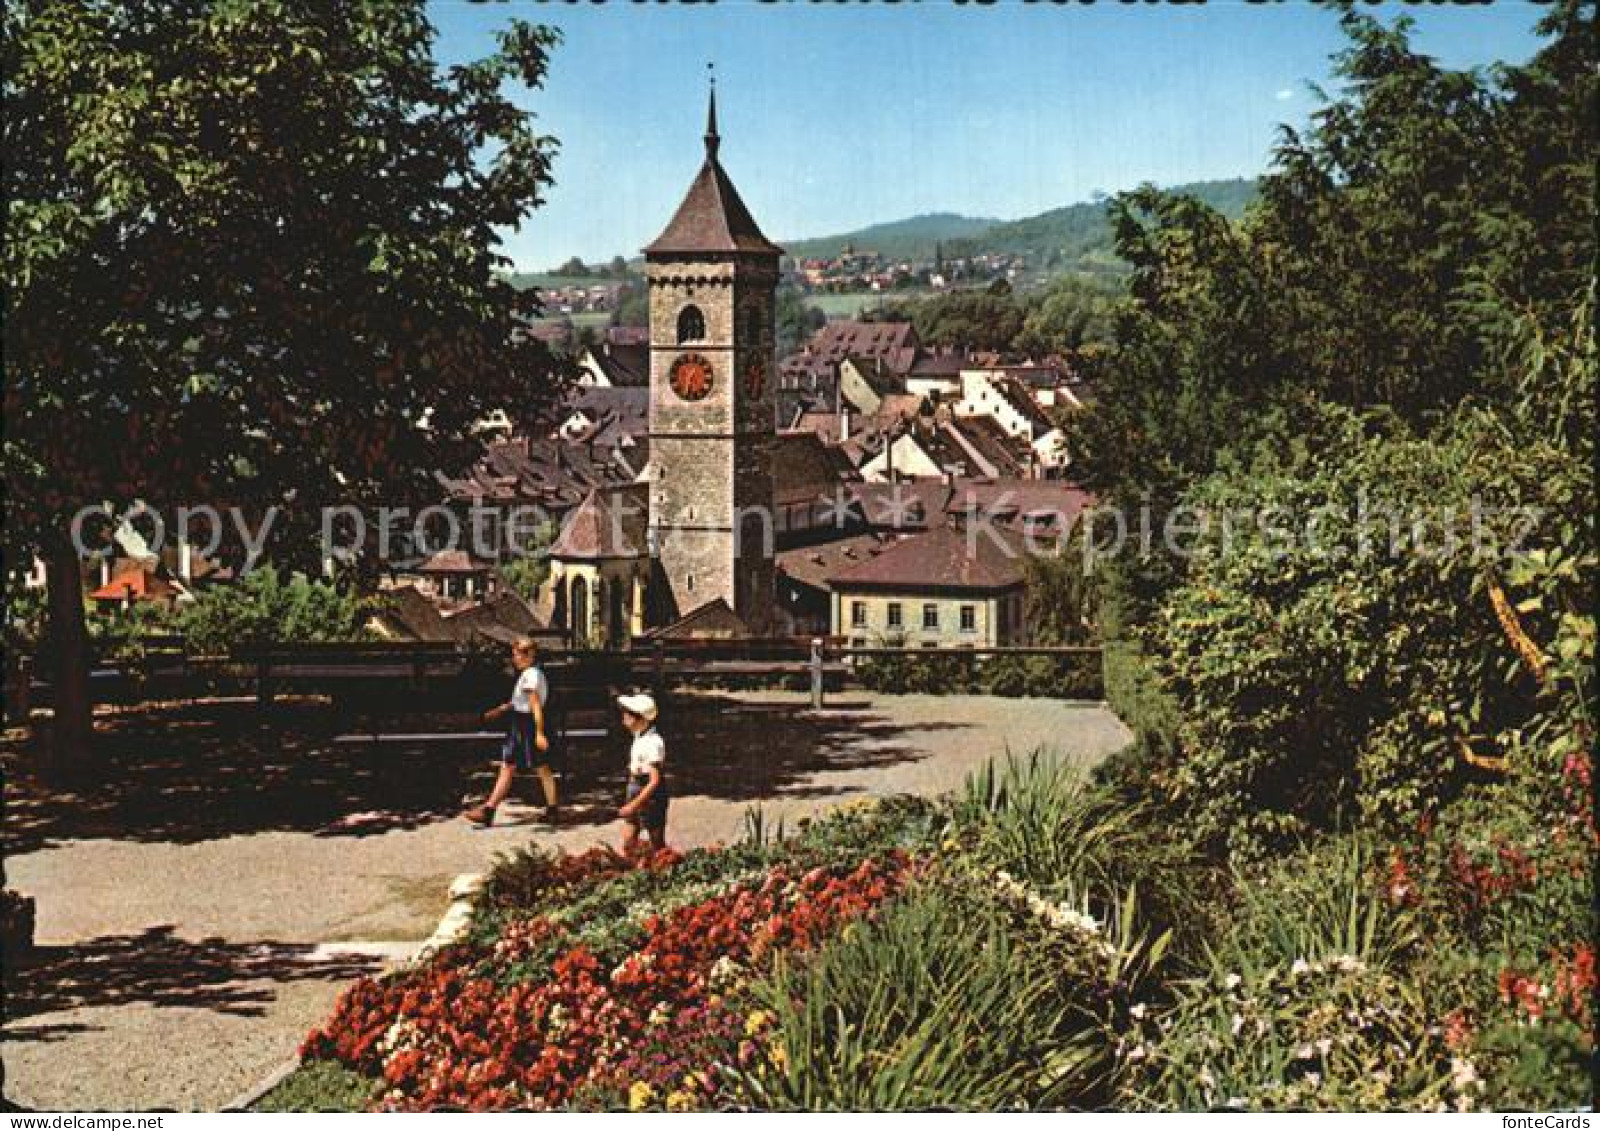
<point>526,745</point>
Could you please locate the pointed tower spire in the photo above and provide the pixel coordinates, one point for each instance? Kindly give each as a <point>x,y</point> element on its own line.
<point>712,140</point>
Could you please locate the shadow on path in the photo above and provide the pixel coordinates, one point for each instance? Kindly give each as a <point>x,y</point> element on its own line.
<point>184,773</point>
<point>159,969</point>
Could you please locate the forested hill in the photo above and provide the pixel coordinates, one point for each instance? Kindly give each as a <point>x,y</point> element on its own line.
<point>1076,236</point>
<point>912,238</point>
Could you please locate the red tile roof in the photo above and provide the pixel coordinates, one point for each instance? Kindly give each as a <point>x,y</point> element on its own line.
<point>612,522</point>
<point>813,565</point>
<point>804,468</point>
<point>138,584</point>
<point>943,559</point>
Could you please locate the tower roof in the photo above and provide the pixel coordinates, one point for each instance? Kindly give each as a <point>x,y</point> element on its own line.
<point>712,217</point>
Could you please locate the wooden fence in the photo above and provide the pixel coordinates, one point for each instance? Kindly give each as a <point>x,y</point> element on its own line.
<point>422,669</point>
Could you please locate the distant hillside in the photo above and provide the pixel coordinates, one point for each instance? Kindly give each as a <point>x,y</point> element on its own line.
<point>1076,237</point>
<point>1079,237</point>
<point>899,239</point>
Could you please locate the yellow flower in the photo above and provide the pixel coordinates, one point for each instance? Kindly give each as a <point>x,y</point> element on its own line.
<point>779,1057</point>
<point>640,1096</point>
<point>757,1021</point>
<point>679,1101</point>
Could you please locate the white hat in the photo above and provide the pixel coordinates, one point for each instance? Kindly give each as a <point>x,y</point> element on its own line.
<point>642,705</point>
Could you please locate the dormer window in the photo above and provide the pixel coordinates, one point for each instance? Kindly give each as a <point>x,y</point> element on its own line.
<point>691,325</point>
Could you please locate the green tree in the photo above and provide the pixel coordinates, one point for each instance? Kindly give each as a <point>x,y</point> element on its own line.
<point>266,608</point>
<point>1072,312</point>
<point>252,258</point>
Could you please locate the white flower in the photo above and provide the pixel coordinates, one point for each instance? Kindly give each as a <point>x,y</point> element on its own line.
<point>1301,966</point>
<point>1324,1046</point>
<point>1137,1012</point>
<point>1232,981</point>
<point>1238,1023</point>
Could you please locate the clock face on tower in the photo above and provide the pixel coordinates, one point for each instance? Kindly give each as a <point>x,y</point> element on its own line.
<point>691,377</point>
<point>755,377</point>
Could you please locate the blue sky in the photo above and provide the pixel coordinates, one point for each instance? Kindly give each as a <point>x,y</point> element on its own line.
<point>835,116</point>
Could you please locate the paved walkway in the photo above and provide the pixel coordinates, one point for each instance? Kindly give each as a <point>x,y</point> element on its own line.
<point>198,914</point>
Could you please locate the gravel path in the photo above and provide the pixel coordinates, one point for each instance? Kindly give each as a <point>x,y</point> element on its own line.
<point>198,915</point>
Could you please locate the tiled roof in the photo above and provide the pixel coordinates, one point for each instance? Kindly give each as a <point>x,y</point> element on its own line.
<point>805,468</point>
<point>1003,455</point>
<point>713,620</point>
<point>712,217</point>
<point>812,565</point>
<point>943,559</point>
<point>453,561</point>
<point>612,522</point>
<point>906,505</point>
<point>410,613</point>
<point>140,583</point>
<point>894,343</point>
<point>939,365</point>
<point>1008,500</point>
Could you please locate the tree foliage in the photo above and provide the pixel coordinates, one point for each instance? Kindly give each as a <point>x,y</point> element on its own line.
<point>266,607</point>
<point>252,260</point>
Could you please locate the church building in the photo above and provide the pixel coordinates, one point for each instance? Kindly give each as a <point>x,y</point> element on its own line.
<point>704,540</point>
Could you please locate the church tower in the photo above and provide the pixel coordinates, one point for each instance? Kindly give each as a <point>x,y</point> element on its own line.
<point>713,278</point>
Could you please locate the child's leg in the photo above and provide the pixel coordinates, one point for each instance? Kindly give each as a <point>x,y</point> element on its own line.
<point>630,837</point>
<point>658,837</point>
<point>502,785</point>
<point>547,782</point>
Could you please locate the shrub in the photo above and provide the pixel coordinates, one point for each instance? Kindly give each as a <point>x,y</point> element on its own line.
<point>264,608</point>
<point>1336,673</point>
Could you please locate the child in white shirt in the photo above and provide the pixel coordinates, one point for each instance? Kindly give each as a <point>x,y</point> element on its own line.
<point>645,806</point>
<point>526,745</point>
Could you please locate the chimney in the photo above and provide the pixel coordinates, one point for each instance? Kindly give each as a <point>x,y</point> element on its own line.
<point>844,423</point>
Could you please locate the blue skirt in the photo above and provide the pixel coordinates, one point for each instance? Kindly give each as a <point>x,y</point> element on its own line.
<point>518,749</point>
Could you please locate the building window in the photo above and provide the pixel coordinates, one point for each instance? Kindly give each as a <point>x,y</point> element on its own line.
<point>896,617</point>
<point>691,325</point>
<point>930,616</point>
<point>969,618</point>
<point>858,614</point>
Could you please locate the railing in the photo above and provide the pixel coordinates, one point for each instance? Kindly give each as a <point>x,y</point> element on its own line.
<point>338,667</point>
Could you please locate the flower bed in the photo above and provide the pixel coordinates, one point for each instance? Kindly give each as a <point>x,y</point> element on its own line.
<point>454,1033</point>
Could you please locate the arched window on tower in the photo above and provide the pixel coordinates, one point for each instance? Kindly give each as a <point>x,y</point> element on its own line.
<point>691,325</point>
